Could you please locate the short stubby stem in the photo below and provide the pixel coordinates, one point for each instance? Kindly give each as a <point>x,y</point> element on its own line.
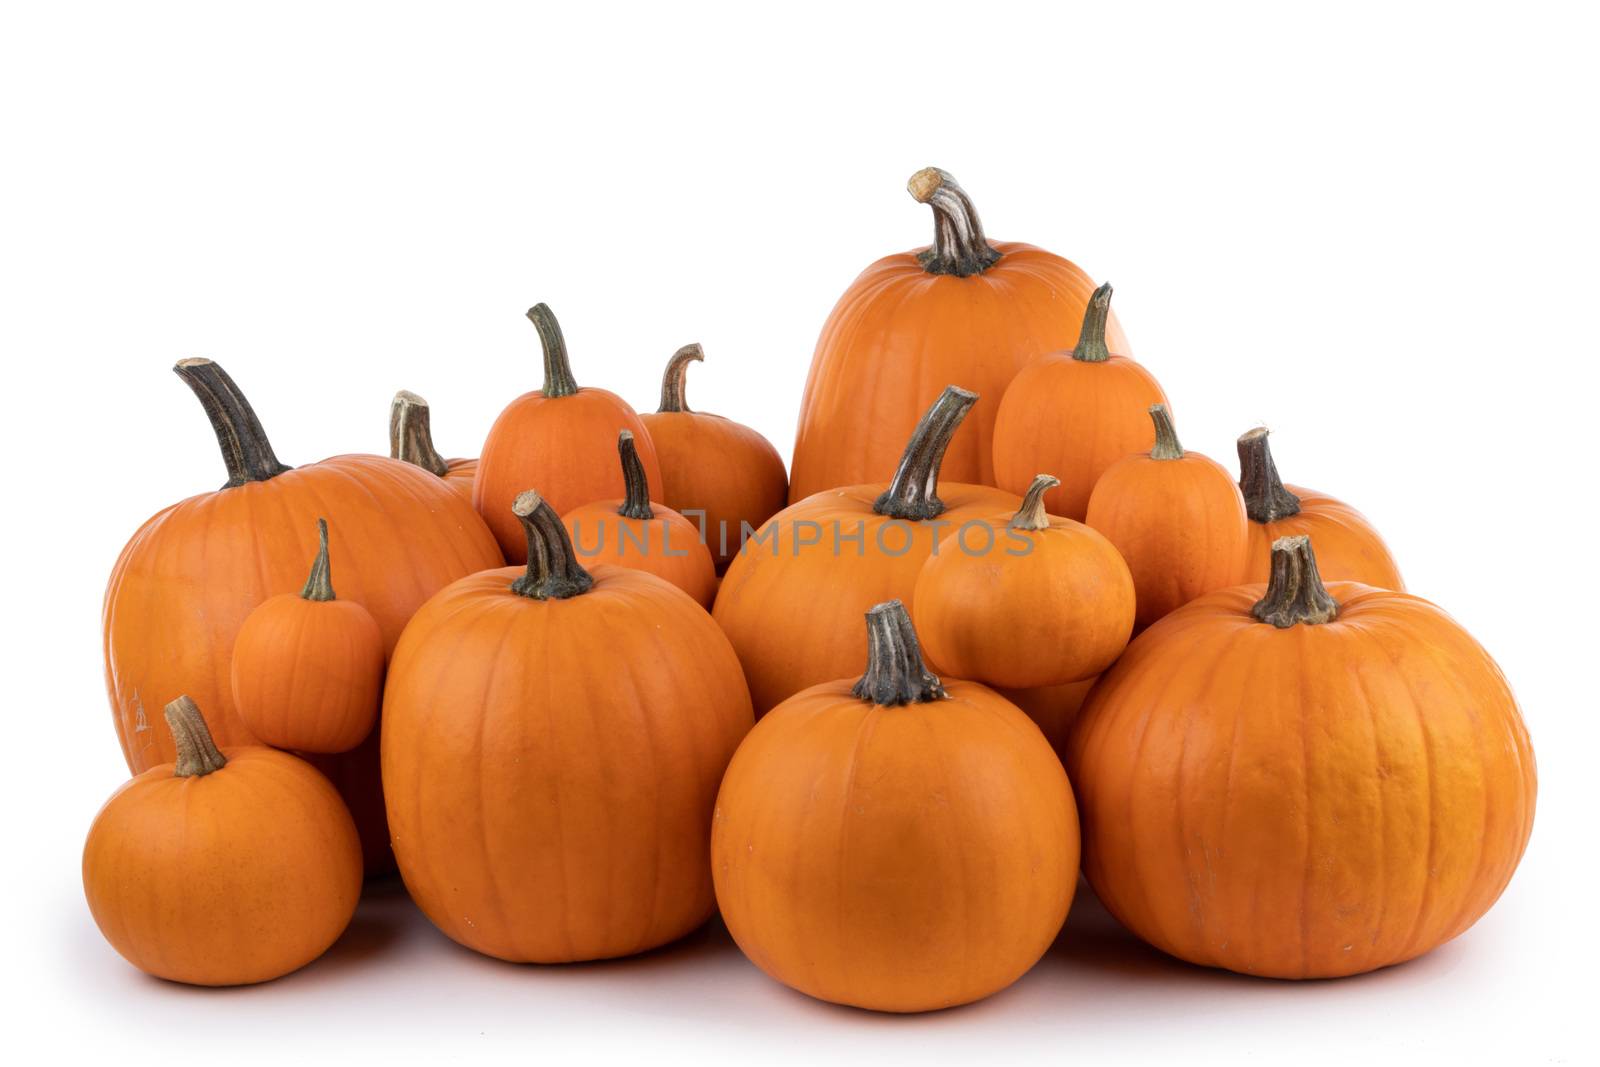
<point>198,754</point>
<point>895,672</point>
<point>1031,515</point>
<point>411,433</point>
<point>914,491</point>
<point>1091,346</point>
<point>1295,593</point>
<point>553,569</point>
<point>1167,445</point>
<point>959,247</point>
<point>1265,497</point>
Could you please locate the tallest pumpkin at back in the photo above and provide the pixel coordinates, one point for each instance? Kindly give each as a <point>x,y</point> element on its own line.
<point>965,310</point>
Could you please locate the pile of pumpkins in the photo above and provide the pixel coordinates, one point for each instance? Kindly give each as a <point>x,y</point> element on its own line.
<point>622,671</point>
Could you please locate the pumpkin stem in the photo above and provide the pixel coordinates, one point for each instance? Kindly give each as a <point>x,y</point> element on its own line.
<point>1091,346</point>
<point>245,448</point>
<point>319,584</point>
<point>198,755</point>
<point>1166,446</point>
<point>558,379</point>
<point>914,491</point>
<point>1031,515</point>
<point>959,246</point>
<point>411,433</point>
<point>553,568</point>
<point>1295,592</point>
<point>636,497</point>
<point>672,380</point>
<point>1265,497</point>
<point>895,672</point>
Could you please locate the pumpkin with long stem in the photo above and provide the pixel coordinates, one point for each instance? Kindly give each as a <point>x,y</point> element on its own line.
<point>411,440</point>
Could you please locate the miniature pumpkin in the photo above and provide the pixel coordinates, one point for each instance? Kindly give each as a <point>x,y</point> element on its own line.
<point>1314,782</point>
<point>1074,414</point>
<point>308,668</point>
<point>222,868</point>
<point>1176,517</point>
<point>717,471</point>
<point>1348,548</point>
<point>411,439</point>
<point>1033,601</point>
<point>633,532</point>
<point>552,744</point>
<point>791,600</point>
<point>898,844</point>
<point>962,310</point>
<point>555,438</point>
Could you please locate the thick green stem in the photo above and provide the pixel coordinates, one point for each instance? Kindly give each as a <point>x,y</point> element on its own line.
<point>198,754</point>
<point>1031,515</point>
<point>1166,446</point>
<point>411,433</point>
<point>1295,592</point>
<point>245,448</point>
<point>672,380</point>
<point>1091,346</point>
<point>319,585</point>
<point>558,379</point>
<point>959,246</point>
<point>1265,497</point>
<point>553,569</point>
<point>636,487</point>
<point>914,492</point>
<point>895,672</point>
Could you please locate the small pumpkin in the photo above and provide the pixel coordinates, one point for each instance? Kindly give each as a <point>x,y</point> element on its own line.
<point>222,868</point>
<point>961,310</point>
<point>308,668</point>
<point>552,744</point>
<point>723,473</point>
<point>411,440</point>
<point>554,438</point>
<point>1176,517</point>
<point>1302,780</point>
<point>1074,413</point>
<point>633,532</point>
<point>1033,600</point>
<point>900,843</point>
<point>1348,547</point>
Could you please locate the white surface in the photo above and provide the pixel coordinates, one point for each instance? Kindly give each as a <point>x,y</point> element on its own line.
<point>1373,227</point>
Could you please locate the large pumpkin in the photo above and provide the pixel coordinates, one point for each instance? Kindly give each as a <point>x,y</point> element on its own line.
<point>411,439</point>
<point>1302,781</point>
<point>962,310</point>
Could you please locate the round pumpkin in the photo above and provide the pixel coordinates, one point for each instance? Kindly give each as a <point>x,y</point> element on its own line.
<point>1176,517</point>
<point>1349,549</point>
<point>555,438</point>
<point>714,470</point>
<point>1025,600</point>
<point>791,600</point>
<point>961,310</point>
<point>411,440</point>
<point>222,868</point>
<point>552,744</point>
<point>1302,781</point>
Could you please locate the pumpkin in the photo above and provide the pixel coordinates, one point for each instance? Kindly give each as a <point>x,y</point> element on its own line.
<point>222,868</point>
<point>1302,780</point>
<point>308,668</point>
<point>900,843</point>
<point>633,532</point>
<point>1176,517</point>
<point>552,744</point>
<point>961,310</point>
<point>1053,709</point>
<point>1074,414</point>
<point>717,471</point>
<point>190,576</point>
<point>554,438</point>
<point>791,600</point>
<point>411,440</point>
<point>1348,548</point>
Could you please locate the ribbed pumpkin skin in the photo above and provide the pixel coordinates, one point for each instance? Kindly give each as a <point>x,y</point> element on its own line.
<point>899,859</point>
<point>899,334</point>
<point>1053,709</point>
<point>235,877</point>
<point>1349,549</point>
<point>550,767</point>
<point>672,550</point>
<point>1311,802</point>
<point>461,475</point>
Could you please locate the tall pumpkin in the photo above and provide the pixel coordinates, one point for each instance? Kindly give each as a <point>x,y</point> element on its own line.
<point>961,310</point>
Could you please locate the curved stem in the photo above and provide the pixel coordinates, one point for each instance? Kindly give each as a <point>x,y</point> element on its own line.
<point>553,569</point>
<point>1031,515</point>
<point>411,433</point>
<point>895,672</point>
<point>914,491</point>
<point>1295,592</point>
<point>558,379</point>
<point>959,246</point>
<point>1091,346</point>
<point>198,754</point>
<point>245,448</point>
<point>672,380</point>
<point>1166,446</point>
<point>636,492</point>
<point>1265,498</point>
<point>319,585</point>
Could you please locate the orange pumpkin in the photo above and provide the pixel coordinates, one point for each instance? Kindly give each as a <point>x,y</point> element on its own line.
<point>633,532</point>
<point>552,744</point>
<point>1053,709</point>
<point>1176,517</point>
<point>1313,782</point>
<point>790,601</point>
<point>308,668</point>
<point>713,469</point>
<point>555,438</point>
<point>411,439</point>
<point>223,868</point>
<point>1348,548</point>
<point>1074,414</point>
<point>962,310</point>
<point>1030,600</point>
<point>899,844</point>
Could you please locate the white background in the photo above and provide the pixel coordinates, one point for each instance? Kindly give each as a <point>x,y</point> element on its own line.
<point>1372,227</point>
